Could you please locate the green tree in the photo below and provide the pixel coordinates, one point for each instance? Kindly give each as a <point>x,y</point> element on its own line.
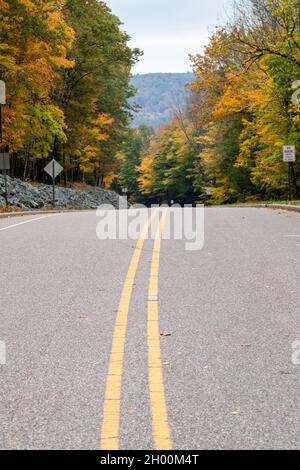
<point>135,146</point>
<point>174,173</point>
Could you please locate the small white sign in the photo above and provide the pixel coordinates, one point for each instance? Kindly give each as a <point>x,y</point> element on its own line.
<point>2,92</point>
<point>4,161</point>
<point>296,94</point>
<point>53,168</point>
<point>289,153</point>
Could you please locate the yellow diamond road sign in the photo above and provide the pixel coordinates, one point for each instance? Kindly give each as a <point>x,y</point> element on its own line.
<point>53,169</point>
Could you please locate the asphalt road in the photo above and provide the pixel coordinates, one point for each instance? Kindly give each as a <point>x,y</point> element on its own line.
<point>229,314</point>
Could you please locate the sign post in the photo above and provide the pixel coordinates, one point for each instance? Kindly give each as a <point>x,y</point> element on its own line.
<point>289,156</point>
<point>4,166</point>
<point>2,102</point>
<point>4,157</point>
<point>123,199</point>
<point>53,169</point>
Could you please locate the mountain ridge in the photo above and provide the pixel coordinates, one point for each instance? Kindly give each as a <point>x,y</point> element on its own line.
<point>158,95</point>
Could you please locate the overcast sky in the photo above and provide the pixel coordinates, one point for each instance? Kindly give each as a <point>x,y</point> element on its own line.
<point>168,30</point>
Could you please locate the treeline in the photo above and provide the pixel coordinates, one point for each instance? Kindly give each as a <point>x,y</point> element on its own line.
<point>161,166</point>
<point>67,69</point>
<point>67,66</point>
<point>230,136</point>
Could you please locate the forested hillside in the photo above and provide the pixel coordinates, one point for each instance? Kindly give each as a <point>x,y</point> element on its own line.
<point>158,95</point>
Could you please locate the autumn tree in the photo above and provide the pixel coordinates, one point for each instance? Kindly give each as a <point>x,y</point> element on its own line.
<point>135,147</point>
<point>169,170</point>
<point>34,44</point>
<point>243,83</point>
<point>98,85</point>
<point>67,67</point>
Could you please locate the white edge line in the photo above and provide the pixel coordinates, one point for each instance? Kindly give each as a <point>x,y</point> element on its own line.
<point>27,221</point>
<point>291,236</point>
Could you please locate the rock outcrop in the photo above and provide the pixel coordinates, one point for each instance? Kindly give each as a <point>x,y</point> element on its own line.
<point>26,196</point>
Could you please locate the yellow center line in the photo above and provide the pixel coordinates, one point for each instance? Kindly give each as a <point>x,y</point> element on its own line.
<point>112,400</point>
<point>160,426</point>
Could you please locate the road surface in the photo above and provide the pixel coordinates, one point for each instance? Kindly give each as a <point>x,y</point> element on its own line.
<point>219,349</point>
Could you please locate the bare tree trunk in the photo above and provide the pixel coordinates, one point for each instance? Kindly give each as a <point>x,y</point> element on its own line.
<point>25,168</point>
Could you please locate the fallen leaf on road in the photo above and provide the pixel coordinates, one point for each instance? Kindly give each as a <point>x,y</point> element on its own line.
<point>165,334</point>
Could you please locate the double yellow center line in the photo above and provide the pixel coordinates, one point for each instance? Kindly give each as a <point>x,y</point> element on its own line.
<point>110,432</point>
<point>160,426</point>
